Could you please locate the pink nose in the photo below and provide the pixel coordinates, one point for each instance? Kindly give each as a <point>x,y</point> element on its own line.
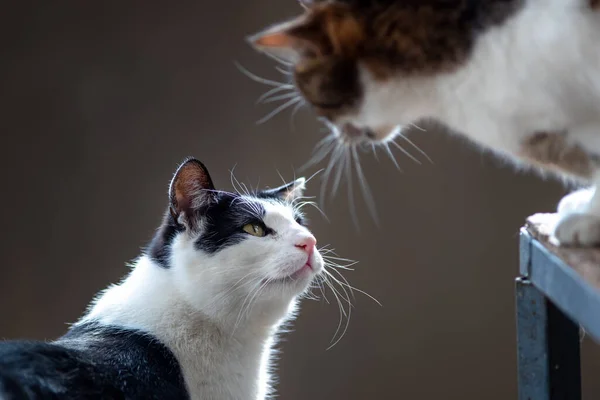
<point>307,244</point>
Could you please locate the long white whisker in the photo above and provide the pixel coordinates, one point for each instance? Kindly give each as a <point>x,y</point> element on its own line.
<point>273,91</point>
<point>280,97</point>
<point>353,215</point>
<point>257,78</point>
<point>391,156</point>
<point>365,187</point>
<point>416,147</point>
<point>278,110</point>
<point>340,168</point>
<point>406,152</point>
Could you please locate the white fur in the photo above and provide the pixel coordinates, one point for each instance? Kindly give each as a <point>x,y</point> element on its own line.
<point>539,71</point>
<point>206,308</point>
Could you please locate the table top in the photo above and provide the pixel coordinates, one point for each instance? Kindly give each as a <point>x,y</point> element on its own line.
<point>568,276</point>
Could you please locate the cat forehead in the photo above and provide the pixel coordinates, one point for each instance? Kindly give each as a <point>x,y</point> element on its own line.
<point>277,212</point>
<point>268,209</point>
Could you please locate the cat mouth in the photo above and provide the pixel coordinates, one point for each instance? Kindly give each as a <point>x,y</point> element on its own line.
<point>303,272</point>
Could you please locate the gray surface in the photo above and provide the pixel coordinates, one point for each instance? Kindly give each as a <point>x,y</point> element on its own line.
<point>98,106</point>
<point>559,282</point>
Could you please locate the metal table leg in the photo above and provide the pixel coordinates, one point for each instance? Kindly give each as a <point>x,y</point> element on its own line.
<point>548,348</point>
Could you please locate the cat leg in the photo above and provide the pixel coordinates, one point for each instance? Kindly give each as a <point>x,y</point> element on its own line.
<point>579,222</point>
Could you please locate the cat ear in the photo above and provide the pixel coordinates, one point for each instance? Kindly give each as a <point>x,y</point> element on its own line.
<point>287,41</point>
<point>328,28</point>
<point>288,192</point>
<point>191,189</point>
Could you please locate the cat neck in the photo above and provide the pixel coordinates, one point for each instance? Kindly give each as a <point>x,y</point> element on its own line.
<point>221,355</point>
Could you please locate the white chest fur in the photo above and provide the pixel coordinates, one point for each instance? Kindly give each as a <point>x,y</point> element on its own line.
<point>217,363</point>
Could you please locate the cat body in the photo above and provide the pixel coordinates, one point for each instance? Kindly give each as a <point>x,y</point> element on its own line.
<point>199,312</point>
<point>520,77</point>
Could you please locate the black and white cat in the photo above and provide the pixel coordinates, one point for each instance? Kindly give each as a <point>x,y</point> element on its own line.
<point>197,315</point>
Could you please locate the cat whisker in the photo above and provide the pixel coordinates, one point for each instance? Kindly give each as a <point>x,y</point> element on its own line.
<point>279,60</point>
<point>368,196</point>
<point>295,110</point>
<point>339,170</point>
<point>416,147</point>
<point>280,97</point>
<point>342,310</point>
<point>283,71</point>
<point>273,91</point>
<point>322,148</point>
<point>257,78</point>
<point>354,288</point>
<point>418,127</point>
<point>278,110</point>
<point>405,152</point>
<point>310,178</point>
<point>332,162</point>
<point>374,150</point>
<point>347,314</point>
<point>391,156</point>
<point>352,205</point>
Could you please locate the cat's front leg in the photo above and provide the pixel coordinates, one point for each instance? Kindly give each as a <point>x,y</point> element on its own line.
<point>579,222</point>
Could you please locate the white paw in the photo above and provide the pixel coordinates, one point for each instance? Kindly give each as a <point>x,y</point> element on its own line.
<point>576,202</point>
<point>578,229</point>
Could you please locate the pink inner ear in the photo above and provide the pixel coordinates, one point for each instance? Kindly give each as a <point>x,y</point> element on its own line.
<point>274,40</point>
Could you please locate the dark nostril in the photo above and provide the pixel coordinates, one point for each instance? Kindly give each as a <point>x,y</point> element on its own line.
<point>370,134</point>
<point>301,246</point>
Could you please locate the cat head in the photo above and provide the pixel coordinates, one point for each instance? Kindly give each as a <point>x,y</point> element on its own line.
<point>368,66</point>
<point>226,248</point>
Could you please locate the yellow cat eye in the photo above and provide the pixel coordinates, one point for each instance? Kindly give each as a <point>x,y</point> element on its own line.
<point>254,230</point>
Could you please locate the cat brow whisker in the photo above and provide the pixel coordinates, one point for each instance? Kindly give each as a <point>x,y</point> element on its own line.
<point>279,59</point>
<point>310,178</point>
<point>278,110</point>
<point>257,78</point>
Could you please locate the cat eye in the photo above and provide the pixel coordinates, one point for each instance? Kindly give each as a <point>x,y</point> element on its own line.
<point>254,230</point>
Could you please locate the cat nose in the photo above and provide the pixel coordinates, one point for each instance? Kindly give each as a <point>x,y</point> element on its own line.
<point>307,244</point>
<point>357,134</point>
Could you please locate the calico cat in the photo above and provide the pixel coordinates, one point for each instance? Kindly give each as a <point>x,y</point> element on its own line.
<point>197,315</point>
<point>521,77</point>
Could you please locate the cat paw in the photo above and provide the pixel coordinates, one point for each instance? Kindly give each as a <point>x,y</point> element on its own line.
<point>578,229</point>
<point>576,202</point>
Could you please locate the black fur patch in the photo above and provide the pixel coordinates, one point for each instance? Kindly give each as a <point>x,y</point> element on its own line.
<point>91,362</point>
<point>159,249</point>
<point>222,223</point>
<point>224,219</point>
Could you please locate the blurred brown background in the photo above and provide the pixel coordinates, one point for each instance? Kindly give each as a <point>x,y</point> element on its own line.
<point>100,103</point>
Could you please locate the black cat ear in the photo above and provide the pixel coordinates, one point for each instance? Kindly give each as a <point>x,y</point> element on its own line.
<point>288,192</point>
<point>191,189</point>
